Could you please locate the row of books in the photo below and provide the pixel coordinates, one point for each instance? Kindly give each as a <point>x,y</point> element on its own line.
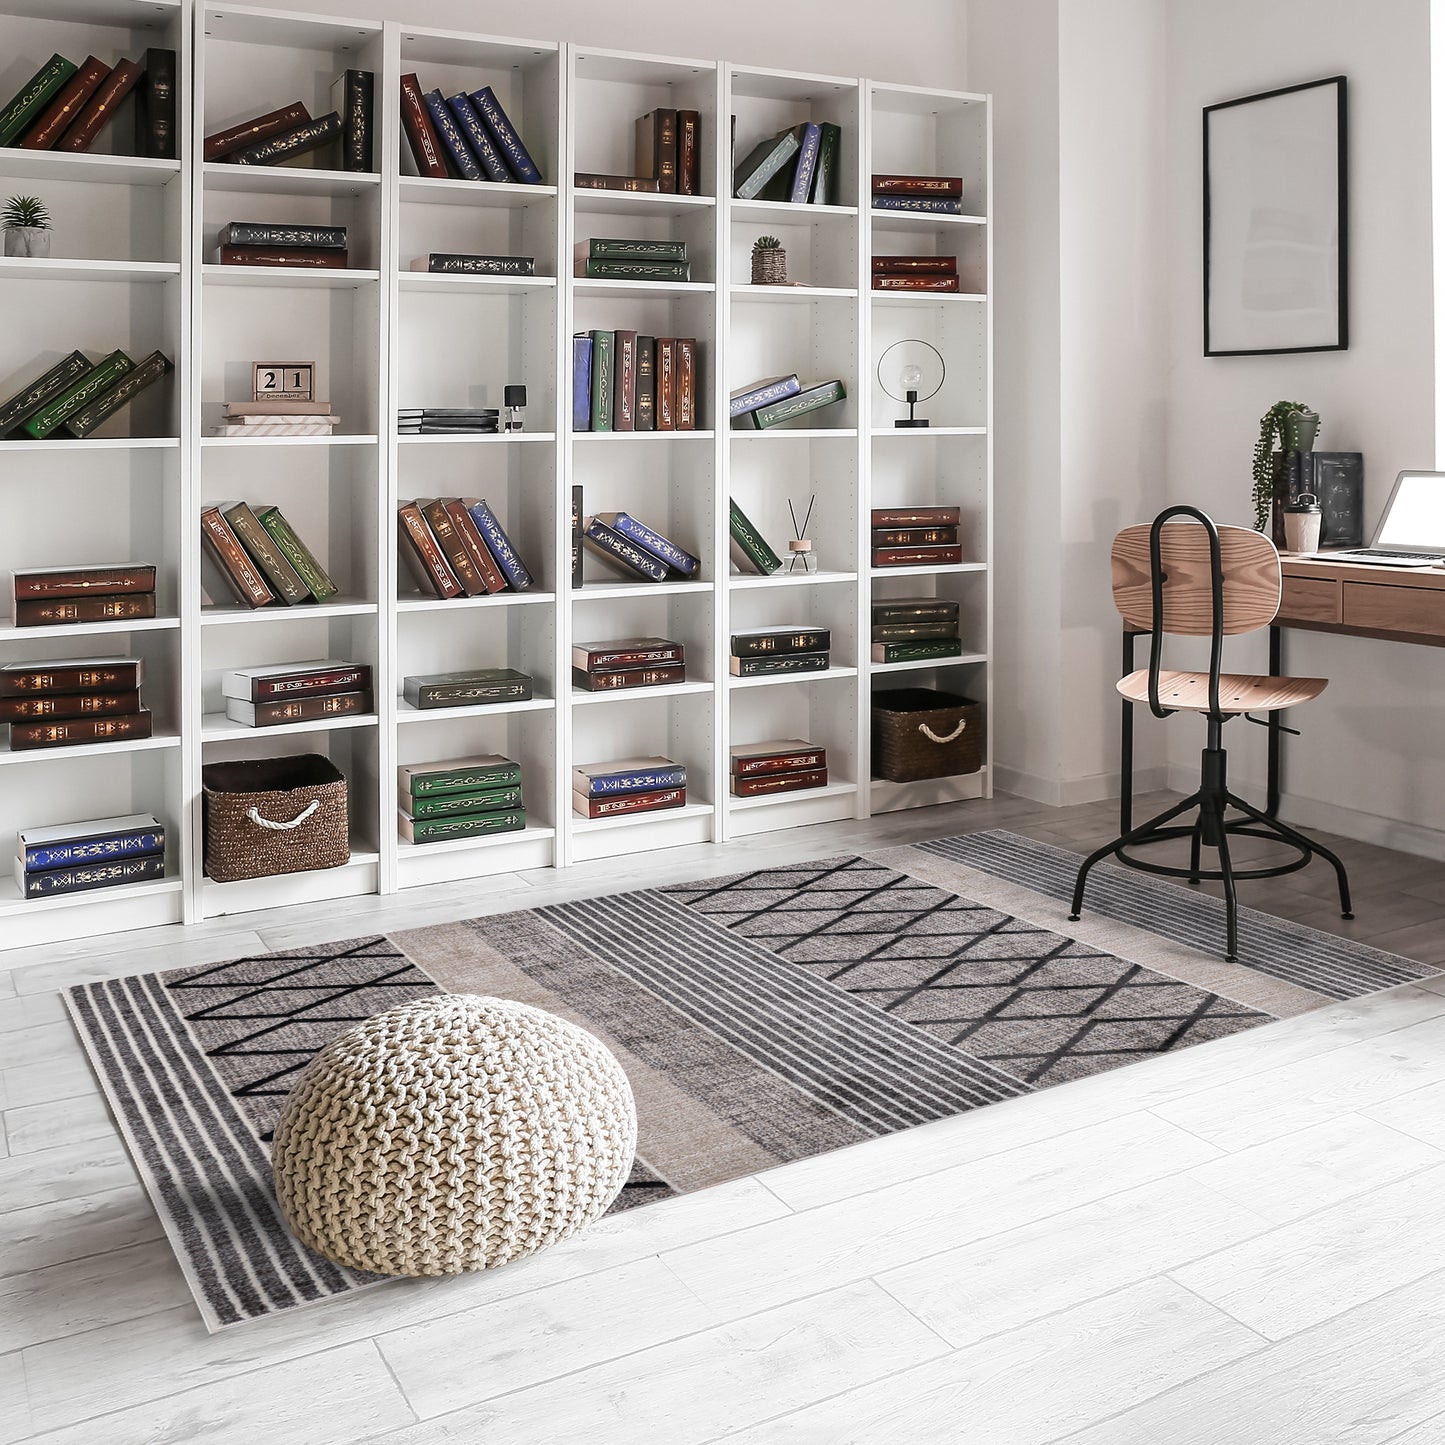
<point>628,662</point>
<point>109,592</point>
<point>784,765</point>
<point>764,404</point>
<point>467,136</point>
<point>802,164</point>
<point>767,651</point>
<point>96,853</point>
<point>667,158</point>
<point>915,273</point>
<point>276,419</point>
<point>291,130</point>
<point>628,785</point>
<point>456,547</point>
<point>615,258</point>
<point>73,700</point>
<point>260,243</point>
<point>630,547</point>
<point>465,798</point>
<point>625,382</point>
<point>257,556</point>
<point>448,420</point>
<point>930,195</point>
<point>295,692</point>
<point>64,107</point>
<point>916,536</point>
<point>913,629</point>
<point>73,397</point>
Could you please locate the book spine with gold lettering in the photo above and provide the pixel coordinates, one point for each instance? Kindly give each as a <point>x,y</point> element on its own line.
<point>253,132</point>
<point>25,736</point>
<point>52,122</point>
<point>89,388</point>
<point>26,104</point>
<point>129,607</point>
<point>280,575</point>
<point>94,875</point>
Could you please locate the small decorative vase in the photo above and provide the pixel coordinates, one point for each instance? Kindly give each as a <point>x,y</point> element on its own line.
<point>27,241</point>
<point>1300,430</point>
<point>802,557</point>
<point>770,266</point>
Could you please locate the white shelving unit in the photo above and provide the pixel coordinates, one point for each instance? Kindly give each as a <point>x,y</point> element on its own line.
<point>384,336</point>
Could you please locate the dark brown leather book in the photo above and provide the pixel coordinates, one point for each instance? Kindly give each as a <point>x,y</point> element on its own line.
<point>624,376</point>
<point>156,105</point>
<point>915,265</point>
<point>779,783</point>
<point>313,679</point>
<point>915,283</point>
<point>916,517</point>
<point>627,652</point>
<point>83,581</point>
<point>421,135</point>
<point>657,148</point>
<point>100,108</point>
<point>89,674</point>
<point>235,567</point>
<point>629,677</point>
<point>594,181</point>
<point>421,554</point>
<point>915,537</point>
<point>252,132</point>
<point>26,735</point>
<point>477,549</point>
<point>689,153</point>
<point>69,705</point>
<point>297,709</point>
<point>749,761</point>
<point>63,110</point>
<point>280,575</point>
<point>607,807</point>
<point>916,556</point>
<point>644,406</point>
<point>902,185</point>
<point>306,257</point>
<point>299,140</point>
<point>41,612</point>
<point>459,559</point>
<point>665,384</point>
<point>685,401</point>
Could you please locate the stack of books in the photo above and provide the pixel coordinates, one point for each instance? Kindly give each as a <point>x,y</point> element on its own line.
<point>916,537</point>
<point>75,395</point>
<point>257,556</point>
<point>626,663</point>
<point>259,243</point>
<point>635,549</point>
<point>801,164</point>
<point>625,382</point>
<point>475,687</point>
<point>915,273</point>
<point>63,107</point>
<point>633,785</point>
<point>290,131</point>
<point>469,263</point>
<point>914,629</point>
<point>931,195</point>
<point>276,419</point>
<point>295,692</point>
<point>75,700</point>
<point>779,399</point>
<point>456,547</point>
<point>447,420</point>
<point>467,136</point>
<point>100,853</point>
<point>750,552</point>
<point>787,765</point>
<point>51,596</point>
<point>466,798</point>
<point>618,259</point>
<point>765,651</point>
<point>668,157</point>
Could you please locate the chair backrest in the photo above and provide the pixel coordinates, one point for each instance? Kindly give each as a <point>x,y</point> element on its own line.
<point>1250,568</point>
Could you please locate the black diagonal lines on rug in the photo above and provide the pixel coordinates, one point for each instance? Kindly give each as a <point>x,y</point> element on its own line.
<point>1043,1007</point>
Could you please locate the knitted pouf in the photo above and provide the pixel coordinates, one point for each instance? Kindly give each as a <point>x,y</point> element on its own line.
<point>450,1134</point>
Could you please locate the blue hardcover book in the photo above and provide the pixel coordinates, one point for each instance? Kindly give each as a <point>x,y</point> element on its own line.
<point>624,555</point>
<point>654,542</point>
<point>64,845</point>
<point>762,393</point>
<point>478,138</point>
<point>582,382</point>
<point>628,775</point>
<point>930,205</point>
<point>807,163</point>
<point>110,874</point>
<point>506,137</point>
<point>499,544</point>
<point>454,143</point>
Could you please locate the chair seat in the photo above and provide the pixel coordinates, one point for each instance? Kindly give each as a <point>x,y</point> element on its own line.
<point>1238,693</point>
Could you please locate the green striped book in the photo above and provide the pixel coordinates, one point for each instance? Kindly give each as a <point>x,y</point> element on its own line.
<point>94,384</point>
<point>463,775</point>
<point>749,542</point>
<point>440,830</point>
<point>453,805</point>
<point>602,348</point>
<point>125,391</point>
<point>31,397</point>
<point>917,651</point>
<point>616,248</point>
<point>811,398</point>
<point>297,553</point>
<point>37,92</point>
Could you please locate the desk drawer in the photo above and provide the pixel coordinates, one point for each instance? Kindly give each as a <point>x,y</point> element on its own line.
<point>1382,608</point>
<point>1309,599</point>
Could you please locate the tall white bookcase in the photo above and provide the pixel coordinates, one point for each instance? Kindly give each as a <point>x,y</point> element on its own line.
<point>385,336</point>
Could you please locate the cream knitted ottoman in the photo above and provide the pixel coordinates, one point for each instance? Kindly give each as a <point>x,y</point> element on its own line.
<point>450,1134</point>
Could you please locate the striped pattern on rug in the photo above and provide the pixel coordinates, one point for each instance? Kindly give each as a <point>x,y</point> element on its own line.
<point>1337,968</point>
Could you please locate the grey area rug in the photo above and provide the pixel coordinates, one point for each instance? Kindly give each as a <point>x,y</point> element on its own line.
<point>761,1018</point>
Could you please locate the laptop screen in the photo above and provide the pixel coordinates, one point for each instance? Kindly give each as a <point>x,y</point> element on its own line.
<point>1415,517</point>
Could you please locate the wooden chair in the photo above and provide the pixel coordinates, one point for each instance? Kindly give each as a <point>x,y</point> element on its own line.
<point>1195,579</point>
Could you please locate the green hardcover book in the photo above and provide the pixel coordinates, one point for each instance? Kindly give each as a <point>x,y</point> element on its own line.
<point>810,399</point>
<point>453,805</point>
<point>779,186</point>
<point>464,775</point>
<point>639,270</point>
<point>827,179</point>
<point>917,651</point>
<point>146,373</point>
<point>925,631</point>
<point>37,92</point>
<point>764,161</point>
<point>96,382</point>
<point>438,830</point>
<point>29,399</point>
<point>602,349</point>
<point>749,542</point>
<point>280,575</point>
<point>476,687</point>
<point>297,553</point>
<point>617,249</point>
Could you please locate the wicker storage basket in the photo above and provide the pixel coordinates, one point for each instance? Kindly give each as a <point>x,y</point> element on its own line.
<point>274,815</point>
<point>920,733</point>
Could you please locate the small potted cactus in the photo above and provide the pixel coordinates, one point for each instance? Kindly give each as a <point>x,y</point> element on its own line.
<point>770,262</point>
<point>27,226</point>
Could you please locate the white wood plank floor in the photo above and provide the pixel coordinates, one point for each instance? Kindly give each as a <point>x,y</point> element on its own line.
<point>1235,1245</point>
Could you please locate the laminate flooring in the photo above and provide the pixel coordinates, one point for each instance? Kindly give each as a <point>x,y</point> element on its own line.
<point>1238,1244</point>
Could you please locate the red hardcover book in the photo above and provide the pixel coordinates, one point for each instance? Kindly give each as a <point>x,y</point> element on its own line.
<point>42,612</point>
<point>689,153</point>
<point>102,674</point>
<point>902,185</point>
<point>313,680</point>
<point>451,546</point>
<point>101,106</point>
<point>793,782</point>
<point>786,756</point>
<point>629,677</point>
<point>477,549</point>
<point>915,537</point>
<point>624,375</point>
<point>916,556</point>
<point>915,265</point>
<point>915,283</point>
<point>69,705</point>
<point>665,400</point>
<point>421,554</point>
<point>685,387</point>
<point>307,257</point>
<point>26,735</point>
<point>84,581</point>
<point>626,652</point>
<point>916,516</point>
<point>62,111</point>
<point>297,709</point>
<point>224,548</point>
<point>252,132</point>
<point>608,807</point>
<point>421,135</point>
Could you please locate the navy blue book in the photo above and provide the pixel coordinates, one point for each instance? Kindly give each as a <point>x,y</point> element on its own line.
<point>929,205</point>
<point>628,775</point>
<point>499,544</point>
<point>763,393</point>
<point>65,845</point>
<point>582,382</point>
<point>478,138</point>
<point>458,152</point>
<point>109,874</point>
<point>654,542</point>
<point>807,163</point>
<point>625,556</point>
<point>506,137</point>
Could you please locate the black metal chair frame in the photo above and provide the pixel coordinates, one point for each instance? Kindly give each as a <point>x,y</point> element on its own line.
<point>1212,827</point>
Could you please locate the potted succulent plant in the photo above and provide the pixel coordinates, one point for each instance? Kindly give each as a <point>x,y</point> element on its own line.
<point>770,262</point>
<point>27,226</point>
<point>1294,426</point>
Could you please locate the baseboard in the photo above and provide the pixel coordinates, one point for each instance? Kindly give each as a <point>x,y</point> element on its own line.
<point>1065,793</point>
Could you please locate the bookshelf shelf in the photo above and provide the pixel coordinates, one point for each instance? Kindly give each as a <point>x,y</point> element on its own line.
<point>95,169</point>
<point>440,284</point>
<point>832,674</point>
<point>783,295</point>
<point>783,212</point>
<point>216,727</point>
<point>606,590</point>
<point>929,571</point>
<point>279,278</point>
<point>218,176</point>
<point>645,438</point>
<point>640,290</point>
<point>162,741</point>
<point>790,579</point>
<point>968,659</point>
<point>454,604</point>
<point>408,715</point>
<point>9,633</point>
<point>922,433</point>
<point>635,820</point>
<point>581,698</point>
<point>921,221</point>
<point>638,203</point>
<point>794,433</point>
<point>59,269</point>
<point>11,903</point>
<point>336,440</point>
<point>485,439</point>
<point>413,853</point>
<point>803,795</point>
<point>927,298</point>
<point>432,191</point>
<point>238,615</point>
<point>93,444</point>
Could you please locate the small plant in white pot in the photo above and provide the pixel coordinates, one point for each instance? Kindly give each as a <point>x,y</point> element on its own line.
<point>27,226</point>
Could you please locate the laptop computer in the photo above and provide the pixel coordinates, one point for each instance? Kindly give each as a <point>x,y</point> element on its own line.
<point>1411,532</point>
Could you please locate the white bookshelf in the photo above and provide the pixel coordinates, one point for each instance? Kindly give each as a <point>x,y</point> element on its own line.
<point>384,336</point>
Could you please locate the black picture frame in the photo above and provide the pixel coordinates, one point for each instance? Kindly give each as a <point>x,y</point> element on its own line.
<point>1306,259</point>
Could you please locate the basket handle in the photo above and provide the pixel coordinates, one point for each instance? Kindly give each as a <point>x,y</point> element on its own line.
<point>933,736</point>
<point>276,827</point>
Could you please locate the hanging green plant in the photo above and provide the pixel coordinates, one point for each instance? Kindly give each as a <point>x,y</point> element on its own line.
<point>1283,423</point>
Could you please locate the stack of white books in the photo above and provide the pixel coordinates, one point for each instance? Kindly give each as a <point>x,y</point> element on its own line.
<point>277,419</point>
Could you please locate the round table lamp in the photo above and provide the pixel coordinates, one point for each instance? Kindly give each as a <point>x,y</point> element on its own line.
<point>911,371</point>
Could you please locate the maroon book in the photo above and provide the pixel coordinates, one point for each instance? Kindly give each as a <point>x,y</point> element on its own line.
<point>916,516</point>
<point>42,612</point>
<point>106,674</point>
<point>629,677</point>
<point>684,408</point>
<point>56,118</point>
<point>309,257</point>
<point>421,554</point>
<point>665,386</point>
<point>624,391</point>
<point>84,581</point>
<point>311,683</point>
<point>747,767</point>
<point>252,132</point>
<point>25,735</point>
<point>916,556</point>
<point>619,803</point>
<point>421,134</point>
<point>914,283</point>
<point>747,787</point>
<point>69,705</point>
<point>915,265</point>
<point>903,185</point>
<point>101,107</point>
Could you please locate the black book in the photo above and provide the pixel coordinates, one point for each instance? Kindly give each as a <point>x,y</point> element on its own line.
<point>576,536</point>
<point>263,233</point>
<point>644,401</point>
<point>351,98</point>
<point>155,107</point>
